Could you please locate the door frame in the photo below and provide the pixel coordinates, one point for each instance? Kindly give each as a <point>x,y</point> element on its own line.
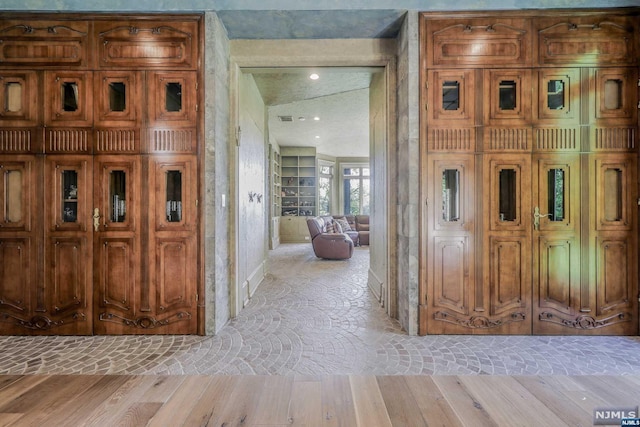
<point>295,53</point>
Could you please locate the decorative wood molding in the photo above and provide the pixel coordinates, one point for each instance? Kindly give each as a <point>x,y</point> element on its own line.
<point>614,139</point>
<point>159,46</point>
<point>51,29</point>
<point>451,139</point>
<point>146,322</point>
<point>172,141</point>
<point>474,43</point>
<point>479,322</point>
<point>557,139</point>
<point>584,321</point>
<point>598,43</point>
<point>52,43</point>
<point>16,140</point>
<point>69,140</point>
<point>117,141</point>
<point>507,139</point>
<point>41,322</point>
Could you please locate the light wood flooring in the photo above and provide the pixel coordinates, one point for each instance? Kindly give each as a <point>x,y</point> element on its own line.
<point>139,400</point>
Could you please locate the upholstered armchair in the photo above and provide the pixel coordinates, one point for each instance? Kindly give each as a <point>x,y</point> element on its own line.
<point>328,245</point>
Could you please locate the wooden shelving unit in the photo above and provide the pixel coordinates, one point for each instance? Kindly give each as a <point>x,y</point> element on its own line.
<point>299,181</point>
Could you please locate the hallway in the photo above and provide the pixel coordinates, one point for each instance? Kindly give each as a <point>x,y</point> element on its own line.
<point>316,317</point>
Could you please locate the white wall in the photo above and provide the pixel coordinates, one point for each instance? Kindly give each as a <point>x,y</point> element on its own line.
<point>252,222</point>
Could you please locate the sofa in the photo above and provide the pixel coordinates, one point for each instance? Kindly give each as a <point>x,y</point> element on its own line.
<point>358,227</point>
<point>329,244</point>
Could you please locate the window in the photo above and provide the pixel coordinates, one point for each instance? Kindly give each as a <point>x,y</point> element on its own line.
<point>356,190</point>
<point>325,183</point>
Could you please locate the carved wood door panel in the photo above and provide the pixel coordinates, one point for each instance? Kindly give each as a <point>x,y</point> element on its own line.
<point>559,292</point>
<point>117,251</point>
<point>554,253</point>
<point>450,270</point>
<point>145,250</point>
<point>20,240</point>
<point>68,239</point>
<point>172,251</point>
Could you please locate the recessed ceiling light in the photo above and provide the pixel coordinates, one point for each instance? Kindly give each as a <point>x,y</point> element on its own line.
<point>316,118</point>
<point>317,136</point>
<point>302,119</point>
<point>314,76</point>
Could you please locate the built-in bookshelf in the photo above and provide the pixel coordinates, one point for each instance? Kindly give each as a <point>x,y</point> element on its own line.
<point>299,180</point>
<point>276,200</point>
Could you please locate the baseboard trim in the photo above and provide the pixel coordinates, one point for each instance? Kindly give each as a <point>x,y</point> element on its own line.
<point>376,286</point>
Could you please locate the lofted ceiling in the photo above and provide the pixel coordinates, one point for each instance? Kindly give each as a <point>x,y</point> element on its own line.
<point>339,98</point>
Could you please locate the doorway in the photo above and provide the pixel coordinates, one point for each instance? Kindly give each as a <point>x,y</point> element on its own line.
<point>333,56</point>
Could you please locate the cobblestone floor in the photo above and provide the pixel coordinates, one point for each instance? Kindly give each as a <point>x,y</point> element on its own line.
<point>312,316</point>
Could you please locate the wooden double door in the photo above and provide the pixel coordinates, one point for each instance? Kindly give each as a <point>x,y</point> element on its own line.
<point>530,243</point>
<point>100,244</point>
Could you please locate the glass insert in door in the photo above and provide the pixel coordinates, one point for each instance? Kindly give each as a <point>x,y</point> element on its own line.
<point>13,196</point>
<point>507,195</point>
<point>173,97</point>
<point>451,195</point>
<point>451,95</point>
<point>13,97</point>
<point>174,196</point>
<point>118,196</point>
<point>69,196</point>
<point>556,195</point>
<point>117,96</point>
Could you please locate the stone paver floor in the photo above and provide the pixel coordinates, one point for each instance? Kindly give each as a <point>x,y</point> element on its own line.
<point>312,316</point>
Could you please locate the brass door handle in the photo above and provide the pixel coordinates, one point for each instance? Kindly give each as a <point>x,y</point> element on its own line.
<point>96,219</point>
<point>536,218</point>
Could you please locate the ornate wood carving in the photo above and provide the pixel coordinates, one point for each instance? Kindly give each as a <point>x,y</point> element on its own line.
<point>451,140</point>
<point>117,141</point>
<point>146,322</point>
<point>479,322</point>
<point>585,41</point>
<point>557,139</point>
<point>45,43</point>
<point>585,321</point>
<point>42,322</point>
<point>479,41</point>
<point>17,140</point>
<point>507,139</point>
<point>615,138</point>
<point>172,141</point>
<point>68,140</point>
<point>147,45</point>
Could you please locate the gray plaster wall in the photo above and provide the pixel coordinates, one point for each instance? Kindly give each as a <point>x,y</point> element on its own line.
<point>252,212</point>
<point>218,264</point>
<point>408,168</point>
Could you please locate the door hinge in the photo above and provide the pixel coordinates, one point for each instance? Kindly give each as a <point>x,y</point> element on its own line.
<point>197,297</point>
<point>638,201</point>
<point>238,134</point>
